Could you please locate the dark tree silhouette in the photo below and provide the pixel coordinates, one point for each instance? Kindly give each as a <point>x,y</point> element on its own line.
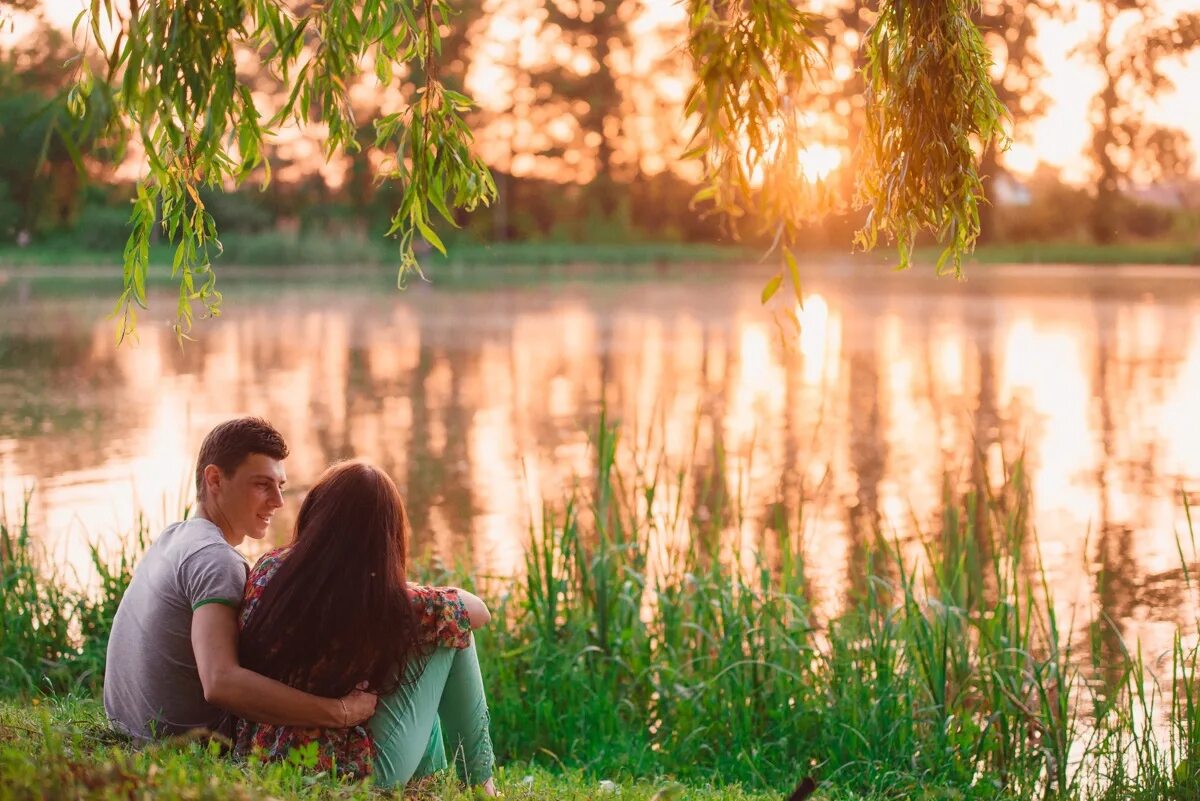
<point>590,96</point>
<point>43,148</point>
<point>1009,29</point>
<point>1124,143</point>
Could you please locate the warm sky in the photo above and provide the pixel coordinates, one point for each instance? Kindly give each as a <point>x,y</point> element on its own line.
<point>1059,138</point>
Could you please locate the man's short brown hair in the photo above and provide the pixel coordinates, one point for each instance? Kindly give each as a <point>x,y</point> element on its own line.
<point>230,443</point>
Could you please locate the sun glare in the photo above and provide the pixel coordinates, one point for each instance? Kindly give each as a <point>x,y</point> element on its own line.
<point>818,161</point>
<point>1021,158</point>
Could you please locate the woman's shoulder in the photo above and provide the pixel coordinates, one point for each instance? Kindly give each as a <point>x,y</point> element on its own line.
<point>269,562</point>
<point>256,582</point>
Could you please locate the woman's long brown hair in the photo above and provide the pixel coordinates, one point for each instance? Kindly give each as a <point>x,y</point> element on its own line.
<point>337,610</point>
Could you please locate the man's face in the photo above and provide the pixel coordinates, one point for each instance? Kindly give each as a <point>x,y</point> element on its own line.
<point>245,501</point>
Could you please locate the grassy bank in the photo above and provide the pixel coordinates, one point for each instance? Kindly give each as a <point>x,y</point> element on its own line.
<point>1079,253</point>
<point>282,250</point>
<point>62,749</point>
<point>616,657</point>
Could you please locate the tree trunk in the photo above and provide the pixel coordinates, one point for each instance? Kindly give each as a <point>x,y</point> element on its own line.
<point>989,169</point>
<point>1103,217</point>
<point>604,102</point>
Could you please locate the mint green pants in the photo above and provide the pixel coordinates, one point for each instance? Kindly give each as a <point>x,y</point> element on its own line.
<point>443,703</point>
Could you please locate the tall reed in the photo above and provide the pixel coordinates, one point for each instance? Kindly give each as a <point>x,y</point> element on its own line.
<point>951,672</point>
<point>625,649</point>
<point>53,635</point>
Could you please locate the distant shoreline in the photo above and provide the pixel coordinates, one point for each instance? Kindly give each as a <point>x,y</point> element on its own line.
<point>272,253</point>
<point>1049,267</point>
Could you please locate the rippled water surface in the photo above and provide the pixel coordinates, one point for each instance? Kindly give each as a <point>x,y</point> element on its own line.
<point>480,403</point>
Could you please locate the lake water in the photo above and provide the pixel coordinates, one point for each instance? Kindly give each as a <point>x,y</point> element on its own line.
<point>480,403</point>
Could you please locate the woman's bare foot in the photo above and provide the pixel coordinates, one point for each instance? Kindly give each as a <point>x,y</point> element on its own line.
<point>488,789</point>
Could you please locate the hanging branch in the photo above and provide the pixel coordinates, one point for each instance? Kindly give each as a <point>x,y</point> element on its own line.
<point>749,58</point>
<point>433,160</point>
<point>930,111</point>
<point>172,70</point>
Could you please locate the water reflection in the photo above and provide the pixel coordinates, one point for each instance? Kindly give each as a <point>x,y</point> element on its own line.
<point>480,404</point>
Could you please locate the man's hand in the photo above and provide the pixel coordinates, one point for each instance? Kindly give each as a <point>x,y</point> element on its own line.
<point>359,705</point>
<point>255,697</point>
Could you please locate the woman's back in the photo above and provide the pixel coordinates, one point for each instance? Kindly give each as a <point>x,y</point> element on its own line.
<point>441,620</point>
<point>339,613</point>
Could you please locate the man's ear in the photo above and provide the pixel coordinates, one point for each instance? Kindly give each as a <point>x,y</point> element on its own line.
<point>212,480</point>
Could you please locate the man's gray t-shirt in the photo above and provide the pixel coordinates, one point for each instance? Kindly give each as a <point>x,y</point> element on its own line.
<point>151,685</point>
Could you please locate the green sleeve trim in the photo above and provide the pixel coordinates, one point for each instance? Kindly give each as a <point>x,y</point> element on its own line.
<point>223,601</point>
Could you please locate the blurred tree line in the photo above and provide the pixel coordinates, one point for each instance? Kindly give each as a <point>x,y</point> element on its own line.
<point>580,119</point>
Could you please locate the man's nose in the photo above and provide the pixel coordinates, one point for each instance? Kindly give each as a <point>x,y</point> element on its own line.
<point>277,497</point>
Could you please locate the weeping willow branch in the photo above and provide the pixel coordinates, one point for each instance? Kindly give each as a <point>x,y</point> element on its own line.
<point>749,58</point>
<point>931,110</point>
<point>172,69</point>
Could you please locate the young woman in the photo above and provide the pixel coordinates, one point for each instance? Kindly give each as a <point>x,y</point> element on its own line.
<point>334,611</point>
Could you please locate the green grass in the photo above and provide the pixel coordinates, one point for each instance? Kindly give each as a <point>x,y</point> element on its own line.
<point>951,678</point>
<point>62,749</point>
<point>279,250</point>
<point>1079,253</point>
<point>259,262</point>
<point>285,250</point>
<point>53,639</point>
<point>562,253</point>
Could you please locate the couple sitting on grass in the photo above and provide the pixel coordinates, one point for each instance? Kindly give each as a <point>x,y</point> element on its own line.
<point>324,642</point>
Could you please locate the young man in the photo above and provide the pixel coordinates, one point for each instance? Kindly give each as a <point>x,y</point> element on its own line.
<point>172,657</point>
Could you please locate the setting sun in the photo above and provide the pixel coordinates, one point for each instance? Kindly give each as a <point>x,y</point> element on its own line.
<point>818,161</point>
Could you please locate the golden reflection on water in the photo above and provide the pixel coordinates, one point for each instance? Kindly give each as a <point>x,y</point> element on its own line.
<point>480,403</point>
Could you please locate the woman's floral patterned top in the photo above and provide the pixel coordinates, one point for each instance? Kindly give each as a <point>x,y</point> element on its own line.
<point>350,751</point>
